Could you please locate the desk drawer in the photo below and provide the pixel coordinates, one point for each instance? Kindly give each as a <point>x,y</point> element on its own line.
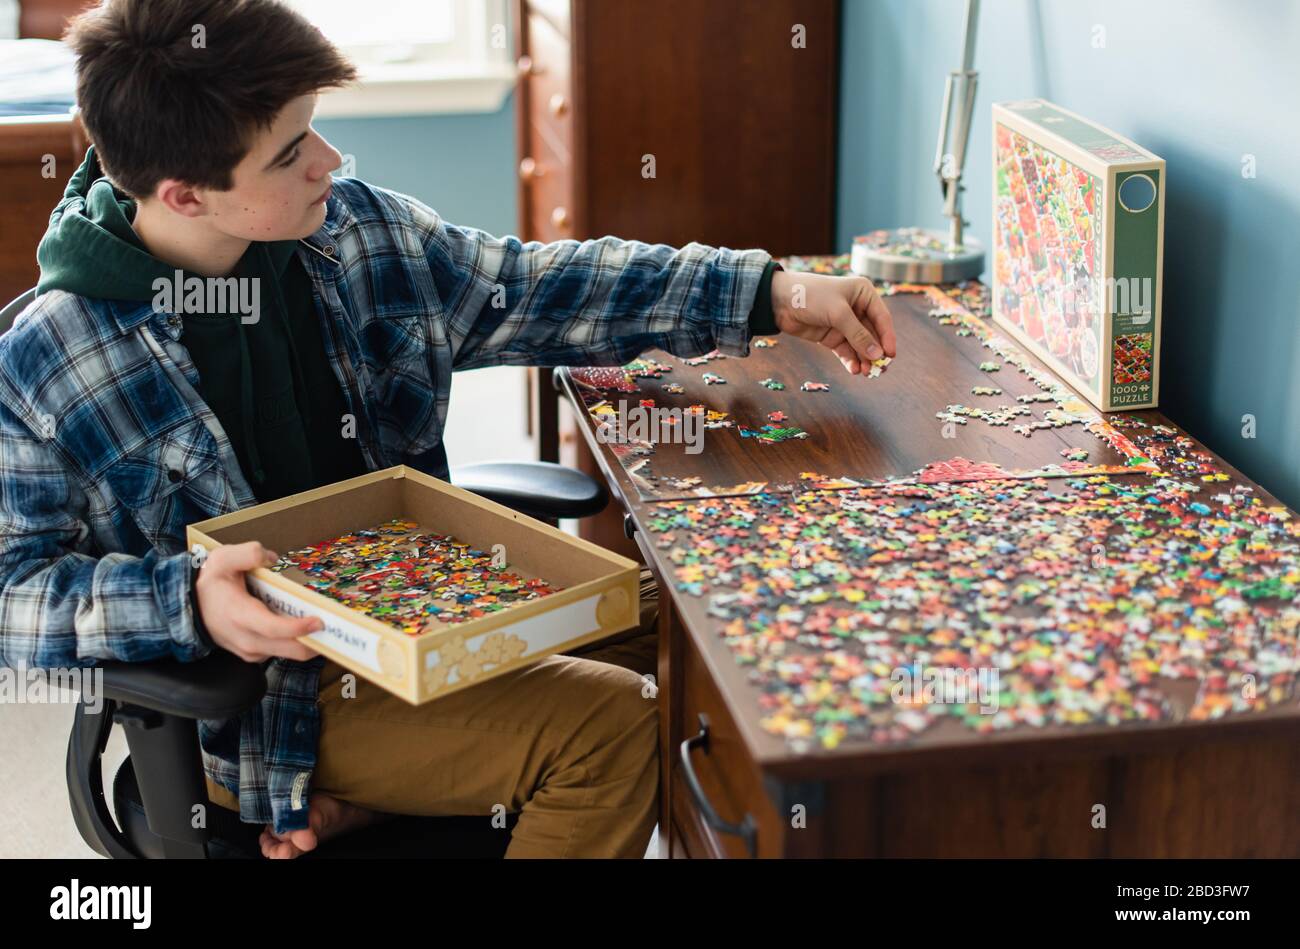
<point>726,777</point>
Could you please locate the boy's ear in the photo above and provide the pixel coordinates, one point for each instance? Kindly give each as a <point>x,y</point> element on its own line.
<point>180,198</point>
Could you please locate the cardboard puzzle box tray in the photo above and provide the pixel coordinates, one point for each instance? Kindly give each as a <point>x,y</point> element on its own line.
<point>578,592</point>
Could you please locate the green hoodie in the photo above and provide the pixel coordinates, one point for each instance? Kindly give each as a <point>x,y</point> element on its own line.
<point>268,382</point>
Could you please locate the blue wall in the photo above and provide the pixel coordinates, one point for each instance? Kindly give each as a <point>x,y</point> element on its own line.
<point>463,166</point>
<point>1199,82</point>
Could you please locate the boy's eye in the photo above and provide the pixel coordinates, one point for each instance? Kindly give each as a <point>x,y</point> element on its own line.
<point>290,160</point>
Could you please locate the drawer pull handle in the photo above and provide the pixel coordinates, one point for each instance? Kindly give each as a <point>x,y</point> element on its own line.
<point>560,218</point>
<point>559,105</point>
<point>529,169</point>
<point>746,830</point>
<point>527,67</point>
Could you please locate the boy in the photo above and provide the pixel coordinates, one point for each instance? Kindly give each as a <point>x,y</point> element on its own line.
<point>124,416</point>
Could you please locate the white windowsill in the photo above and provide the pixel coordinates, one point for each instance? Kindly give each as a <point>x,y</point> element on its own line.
<point>420,89</point>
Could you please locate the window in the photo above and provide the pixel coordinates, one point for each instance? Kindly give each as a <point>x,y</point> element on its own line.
<point>417,56</point>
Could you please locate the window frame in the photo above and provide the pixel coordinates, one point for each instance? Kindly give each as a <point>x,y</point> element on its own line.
<point>465,76</point>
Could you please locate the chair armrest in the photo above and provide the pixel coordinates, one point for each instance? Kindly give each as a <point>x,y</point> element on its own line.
<point>164,747</point>
<point>537,488</point>
<point>218,686</point>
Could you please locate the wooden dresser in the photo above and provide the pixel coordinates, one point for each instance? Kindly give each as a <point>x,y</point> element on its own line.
<point>26,145</point>
<point>669,122</point>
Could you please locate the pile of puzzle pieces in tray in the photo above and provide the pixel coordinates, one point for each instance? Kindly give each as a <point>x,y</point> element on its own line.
<point>1083,593</point>
<point>406,578</point>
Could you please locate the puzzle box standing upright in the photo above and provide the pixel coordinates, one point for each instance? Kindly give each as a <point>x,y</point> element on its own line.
<point>1078,248</point>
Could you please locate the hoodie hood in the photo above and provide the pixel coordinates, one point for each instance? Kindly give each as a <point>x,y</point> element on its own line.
<point>91,248</point>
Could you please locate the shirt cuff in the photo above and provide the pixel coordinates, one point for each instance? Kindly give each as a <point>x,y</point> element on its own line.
<point>762,318</point>
<point>200,630</point>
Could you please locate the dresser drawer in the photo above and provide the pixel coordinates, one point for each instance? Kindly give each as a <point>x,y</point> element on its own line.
<point>548,192</point>
<point>550,86</point>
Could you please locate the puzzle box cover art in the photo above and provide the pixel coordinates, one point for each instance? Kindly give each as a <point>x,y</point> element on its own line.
<point>1078,245</point>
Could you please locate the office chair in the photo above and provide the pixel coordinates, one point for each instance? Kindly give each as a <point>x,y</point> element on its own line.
<point>157,705</point>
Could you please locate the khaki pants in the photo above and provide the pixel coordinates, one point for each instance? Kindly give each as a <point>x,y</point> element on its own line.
<point>570,743</point>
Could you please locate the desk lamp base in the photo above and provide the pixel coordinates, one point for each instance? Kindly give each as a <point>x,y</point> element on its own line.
<point>915,255</point>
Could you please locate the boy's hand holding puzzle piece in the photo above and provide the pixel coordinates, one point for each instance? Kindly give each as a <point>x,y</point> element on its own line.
<point>844,314</point>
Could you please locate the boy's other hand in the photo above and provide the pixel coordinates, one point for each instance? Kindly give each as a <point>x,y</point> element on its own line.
<point>238,621</point>
<point>844,314</point>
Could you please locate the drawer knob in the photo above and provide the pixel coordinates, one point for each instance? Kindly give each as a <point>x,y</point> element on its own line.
<point>529,169</point>
<point>559,105</point>
<point>560,218</point>
<point>526,67</point>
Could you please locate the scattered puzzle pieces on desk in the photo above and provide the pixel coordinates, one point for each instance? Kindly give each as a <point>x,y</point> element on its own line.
<point>1081,594</point>
<point>985,390</point>
<point>674,388</point>
<point>647,369</point>
<point>713,420</point>
<point>815,387</point>
<point>990,366</point>
<point>1061,407</point>
<point>713,379</point>
<point>764,342</point>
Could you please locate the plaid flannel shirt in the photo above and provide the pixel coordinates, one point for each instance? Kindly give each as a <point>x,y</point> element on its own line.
<point>107,451</point>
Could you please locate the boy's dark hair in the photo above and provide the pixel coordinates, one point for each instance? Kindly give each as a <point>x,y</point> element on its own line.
<point>162,98</point>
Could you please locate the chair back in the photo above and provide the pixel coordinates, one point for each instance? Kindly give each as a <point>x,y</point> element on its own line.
<point>14,307</point>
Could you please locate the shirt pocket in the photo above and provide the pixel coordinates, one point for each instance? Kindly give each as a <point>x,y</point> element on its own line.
<point>398,363</point>
<point>176,479</point>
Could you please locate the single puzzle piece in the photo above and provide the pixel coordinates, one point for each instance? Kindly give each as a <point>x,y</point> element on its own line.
<point>706,358</point>
<point>772,435</point>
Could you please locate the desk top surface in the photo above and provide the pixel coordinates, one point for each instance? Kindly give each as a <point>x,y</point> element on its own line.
<point>1143,590</point>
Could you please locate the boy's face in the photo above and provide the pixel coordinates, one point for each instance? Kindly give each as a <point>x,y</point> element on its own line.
<point>281,186</point>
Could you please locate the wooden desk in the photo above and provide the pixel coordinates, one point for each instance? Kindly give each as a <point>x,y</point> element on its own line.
<point>1174,788</point>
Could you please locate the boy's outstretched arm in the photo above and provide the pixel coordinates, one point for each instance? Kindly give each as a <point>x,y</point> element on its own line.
<point>606,301</point>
